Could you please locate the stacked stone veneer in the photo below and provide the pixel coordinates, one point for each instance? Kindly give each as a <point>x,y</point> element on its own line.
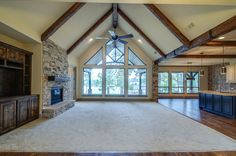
<point>55,63</point>
<point>155,82</point>
<point>216,81</point>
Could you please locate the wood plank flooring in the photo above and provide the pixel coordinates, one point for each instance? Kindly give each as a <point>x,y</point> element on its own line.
<point>187,107</point>
<point>190,108</point>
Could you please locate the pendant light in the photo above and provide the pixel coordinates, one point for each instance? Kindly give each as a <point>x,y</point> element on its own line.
<point>201,72</point>
<point>189,74</point>
<point>223,68</point>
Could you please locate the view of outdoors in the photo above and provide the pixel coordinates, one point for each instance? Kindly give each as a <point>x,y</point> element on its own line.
<point>114,81</point>
<point>177,81</point>
<point>193,85</point>
<point>92,81</point>
<point>137,82</point>
<point>163,82</point>
<point>115,67</point>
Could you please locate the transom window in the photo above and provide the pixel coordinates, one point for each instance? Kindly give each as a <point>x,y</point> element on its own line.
<point>115,71</point>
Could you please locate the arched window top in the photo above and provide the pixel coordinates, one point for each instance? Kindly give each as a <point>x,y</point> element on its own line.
<point>115,53</point>
<point>133,59</point>
<point>96,59</point>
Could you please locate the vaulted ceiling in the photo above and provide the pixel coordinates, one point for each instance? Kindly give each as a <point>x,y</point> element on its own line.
<point>191,18</point>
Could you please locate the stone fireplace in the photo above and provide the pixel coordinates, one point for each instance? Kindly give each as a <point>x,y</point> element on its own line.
<point>56,88</point>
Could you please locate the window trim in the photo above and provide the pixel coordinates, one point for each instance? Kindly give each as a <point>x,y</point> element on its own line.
<point>177,87</point>
<point>146,84</point>
<point>164,86</point>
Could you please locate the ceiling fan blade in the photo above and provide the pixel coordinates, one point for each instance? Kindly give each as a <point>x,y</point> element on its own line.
<point>112,33</point>
<point>126,36</point>
<point>122,41</point>
<point>102,38</point>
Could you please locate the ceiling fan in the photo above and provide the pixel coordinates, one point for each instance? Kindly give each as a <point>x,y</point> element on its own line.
<point>114,36</point>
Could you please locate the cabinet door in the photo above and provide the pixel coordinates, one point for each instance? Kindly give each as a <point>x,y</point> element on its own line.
<point>201,100</point>
<point>34,108</point>
<point>7,116</point>
<point>2,52</point>
<point>209,102</point>
<point>227,105</point>
<point>217,103</point>
<point>22,110</point>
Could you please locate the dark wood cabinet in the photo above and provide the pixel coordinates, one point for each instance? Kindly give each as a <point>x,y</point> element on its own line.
<point>22,110</point>
<point>17,111</point>
<point>219,104</point>
<point>33,108</point>
<point>8,116</point>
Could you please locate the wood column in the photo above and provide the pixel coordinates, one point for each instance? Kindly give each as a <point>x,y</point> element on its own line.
<point>155,82</point>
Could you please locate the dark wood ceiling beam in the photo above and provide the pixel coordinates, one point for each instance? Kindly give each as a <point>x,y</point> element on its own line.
<point>61,20</point>
<point>221,43</point>
<point>158,14</point>
<point>115,15</point>
<point>206,56</point>
<point>132,24</point>
<point>221,29</point>
<point>90,30</point>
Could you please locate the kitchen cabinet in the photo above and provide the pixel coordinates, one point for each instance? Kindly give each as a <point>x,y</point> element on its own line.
<point>223,104</point>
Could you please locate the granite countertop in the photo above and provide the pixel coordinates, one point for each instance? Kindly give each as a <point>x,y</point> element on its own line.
<point>218,93</point>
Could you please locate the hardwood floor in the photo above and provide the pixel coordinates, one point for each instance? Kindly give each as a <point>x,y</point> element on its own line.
<point>190,108</point>
<point>187,107</point>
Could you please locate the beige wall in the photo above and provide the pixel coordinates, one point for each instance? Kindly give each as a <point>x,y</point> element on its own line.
<point>203,79</point>
<point>36,49</point>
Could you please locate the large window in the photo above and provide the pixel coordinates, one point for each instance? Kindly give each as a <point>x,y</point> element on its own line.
<point>137,82</point>
<point>193,85</point>
<point>177,82</point>
<point>114,81</point>
<point>163,82</point>
<point>104,73</point>
<point>92,81</point>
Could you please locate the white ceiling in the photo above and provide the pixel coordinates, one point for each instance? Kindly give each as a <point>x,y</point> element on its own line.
<point>38,16</point>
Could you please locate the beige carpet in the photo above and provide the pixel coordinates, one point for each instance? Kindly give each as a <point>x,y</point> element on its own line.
<point>113,126</point>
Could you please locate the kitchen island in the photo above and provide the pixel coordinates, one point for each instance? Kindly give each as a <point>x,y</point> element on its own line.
<point>221,103</point>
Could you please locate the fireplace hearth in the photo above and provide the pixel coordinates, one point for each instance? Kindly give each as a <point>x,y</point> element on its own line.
<point>56,95</point>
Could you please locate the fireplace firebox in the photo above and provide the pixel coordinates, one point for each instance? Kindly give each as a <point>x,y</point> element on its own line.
<point>56,95</point>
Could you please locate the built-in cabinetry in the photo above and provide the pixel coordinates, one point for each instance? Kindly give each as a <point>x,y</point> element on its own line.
<point>231,74</point>
<point>15,71</point>
<point>221,104</point>
<point>16,111</point>
<point>17,105</point>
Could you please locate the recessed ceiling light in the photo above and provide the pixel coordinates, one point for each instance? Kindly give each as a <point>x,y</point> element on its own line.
<point>222,37</point>
<point>91,39</point>
<point>139,40</point>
